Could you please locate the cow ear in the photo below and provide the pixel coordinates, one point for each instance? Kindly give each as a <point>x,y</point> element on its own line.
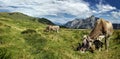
<point>85,37</point>
<point>89,39</point>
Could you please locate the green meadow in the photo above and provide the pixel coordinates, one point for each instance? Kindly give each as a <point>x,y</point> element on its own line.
<point>23,37</point>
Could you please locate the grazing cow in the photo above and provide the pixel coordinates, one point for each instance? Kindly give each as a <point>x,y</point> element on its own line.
<point>52,28</point>
<point>102,27</point>
<point>86,45</point>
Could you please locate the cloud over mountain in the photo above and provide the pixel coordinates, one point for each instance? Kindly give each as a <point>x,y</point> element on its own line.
<point>55,10</point>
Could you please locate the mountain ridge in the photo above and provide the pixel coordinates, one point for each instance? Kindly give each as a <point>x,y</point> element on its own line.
<point>87,23</point>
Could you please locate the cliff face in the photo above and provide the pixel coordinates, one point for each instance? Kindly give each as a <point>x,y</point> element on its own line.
<point>87,23</point>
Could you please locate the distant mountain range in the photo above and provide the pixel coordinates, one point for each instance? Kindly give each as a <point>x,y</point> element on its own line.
<point>87,23</point>
<point>116,26</point>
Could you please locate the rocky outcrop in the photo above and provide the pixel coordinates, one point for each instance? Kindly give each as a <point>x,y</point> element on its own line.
<point>87,23</point>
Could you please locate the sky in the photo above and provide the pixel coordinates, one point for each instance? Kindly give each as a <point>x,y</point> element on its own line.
<point>62,11</point>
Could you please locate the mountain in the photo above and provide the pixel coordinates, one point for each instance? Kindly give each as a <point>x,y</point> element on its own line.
<point>87,23</point>
<point>116,25</point>
<point>82,23</point>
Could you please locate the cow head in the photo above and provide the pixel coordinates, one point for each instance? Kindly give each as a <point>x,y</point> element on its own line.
<point>86,44</point>
<point>48,28</point>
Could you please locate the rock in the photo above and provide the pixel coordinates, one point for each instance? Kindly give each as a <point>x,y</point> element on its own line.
<point>87,23</point>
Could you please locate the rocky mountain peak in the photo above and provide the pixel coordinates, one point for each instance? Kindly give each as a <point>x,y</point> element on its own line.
<point>82,23</point>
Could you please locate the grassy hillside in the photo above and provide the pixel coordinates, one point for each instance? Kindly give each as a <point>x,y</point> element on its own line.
<point>22,17</point>
<point>22,38</point>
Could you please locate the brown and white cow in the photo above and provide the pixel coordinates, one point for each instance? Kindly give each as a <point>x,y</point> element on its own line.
<point>102,27</point>
<point>52,28</point>
<point>86,45</point>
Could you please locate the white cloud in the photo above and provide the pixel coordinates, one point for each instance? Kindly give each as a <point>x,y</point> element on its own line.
<point>50,7</point>
<point>104,8</point>
<point>103,11</point>
<point>62,20</point>
<point>39,8</point>
<point>75,8</point>
<point>116,14</point>
<point>113,16</point>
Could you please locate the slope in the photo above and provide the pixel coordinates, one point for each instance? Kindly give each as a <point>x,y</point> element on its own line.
<point>25,39</point>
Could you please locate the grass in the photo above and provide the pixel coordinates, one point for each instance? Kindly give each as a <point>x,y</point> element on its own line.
<point>37,44</point>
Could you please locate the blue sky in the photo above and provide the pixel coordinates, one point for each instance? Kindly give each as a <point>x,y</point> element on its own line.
<point>61,11</point>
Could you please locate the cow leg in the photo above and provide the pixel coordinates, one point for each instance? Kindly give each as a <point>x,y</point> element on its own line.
<point>57,30</point>
<point>101,45</point>
<point>106,42</point>
<point>100,49</point>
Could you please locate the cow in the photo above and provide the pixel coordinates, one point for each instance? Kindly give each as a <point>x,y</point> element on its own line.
<point>52,28</point>
<point>102,27</point>
<point>96,45</point>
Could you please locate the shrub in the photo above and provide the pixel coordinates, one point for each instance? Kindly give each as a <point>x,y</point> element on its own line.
<point>28,31</point>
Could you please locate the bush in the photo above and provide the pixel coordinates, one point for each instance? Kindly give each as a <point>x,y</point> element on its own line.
<point>28,31</point>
